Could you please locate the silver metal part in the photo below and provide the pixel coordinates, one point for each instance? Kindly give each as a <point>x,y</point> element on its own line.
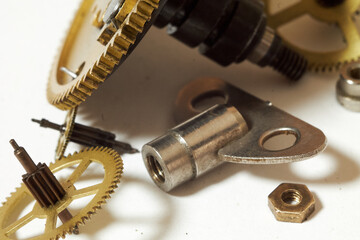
<point>263,46</point>
<point>69,72</point>
<point>190,149</point>
<point>112,10</point>
<point>348,87</point>
<point>236,131</point>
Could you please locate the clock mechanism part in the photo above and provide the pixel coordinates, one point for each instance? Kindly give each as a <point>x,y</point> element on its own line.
<point>348,87</point>
<point>291,202</point>
<point>338,13</point>
<point>71,131</point>
<point>236,131</point>
<point>53,198</point>
<point>104,33</point>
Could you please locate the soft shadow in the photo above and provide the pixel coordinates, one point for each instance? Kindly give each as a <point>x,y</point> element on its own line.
<point>215,176</point>
<point>347,170</point>
<point>318,207</point>
<point>104,218</point>
<point>138,99</point>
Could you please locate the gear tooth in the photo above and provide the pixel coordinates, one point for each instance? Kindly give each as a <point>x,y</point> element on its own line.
<point>109,60</point>
<point>104,67</point>
<point>90,83</point>
<point>146,8</point>
<point>85,91</point>
<point>107,34</point>
<point>73,96</point>
<point>97,74</point>
<point>112,57</point>
<point>66,104</point>
<point>137,22</point>
<point>110,192</point>
<point>97,207</point>
<point>129,33</point>
<point>80,96</point>
<point>153,3</point>
<point>121,45</point>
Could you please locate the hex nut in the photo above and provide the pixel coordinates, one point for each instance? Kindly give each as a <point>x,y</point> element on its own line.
<point>291,202</point>
<point>348,86</point>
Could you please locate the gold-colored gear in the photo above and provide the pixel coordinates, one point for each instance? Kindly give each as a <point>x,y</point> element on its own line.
<point>113,168</point>
<point>93,48</point>
<point>65,135</point>
<point>341,15</point>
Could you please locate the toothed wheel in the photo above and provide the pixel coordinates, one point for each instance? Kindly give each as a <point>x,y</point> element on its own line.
<point>101,34</point>
<point>113,166</point>
<point>339,13</point>
<point>65,135</point>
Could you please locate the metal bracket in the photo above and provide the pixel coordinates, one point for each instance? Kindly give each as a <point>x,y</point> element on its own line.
<point>263,119</point>
<point>236,130</point>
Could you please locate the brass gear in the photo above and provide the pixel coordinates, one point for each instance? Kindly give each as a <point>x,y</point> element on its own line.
<point>65,135</point>
<point>113,168</point>
<point>341,15</point>
<point>93,48</point>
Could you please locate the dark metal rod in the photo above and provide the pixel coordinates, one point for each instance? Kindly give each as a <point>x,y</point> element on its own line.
<point>23,157</point>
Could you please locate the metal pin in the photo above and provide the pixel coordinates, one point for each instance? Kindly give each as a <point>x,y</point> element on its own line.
<point>90,136</point>
<point>23,157</point>
<point>69,72</point>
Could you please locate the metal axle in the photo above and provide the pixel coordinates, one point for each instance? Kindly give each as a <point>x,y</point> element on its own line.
<point>90,136</point>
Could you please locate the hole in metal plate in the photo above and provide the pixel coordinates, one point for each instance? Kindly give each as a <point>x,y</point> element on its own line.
<point>208,99</point>
<point>279,139</point>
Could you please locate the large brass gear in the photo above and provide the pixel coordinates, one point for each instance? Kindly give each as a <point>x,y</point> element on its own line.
<point>113,167</point>
<point>92,48</point>
<point>65,135</point>
<point>341,15</point>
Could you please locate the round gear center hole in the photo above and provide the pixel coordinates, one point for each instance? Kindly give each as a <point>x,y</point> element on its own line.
<point>291,197</point>
<point>157,172</point>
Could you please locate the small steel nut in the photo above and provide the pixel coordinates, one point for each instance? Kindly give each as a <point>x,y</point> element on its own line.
<point>291,202</point>
<point>348,86</point>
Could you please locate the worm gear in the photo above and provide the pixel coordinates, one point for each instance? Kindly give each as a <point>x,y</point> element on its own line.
<point>109,30</point>
<point>113,167</point>
<point>338,12</point>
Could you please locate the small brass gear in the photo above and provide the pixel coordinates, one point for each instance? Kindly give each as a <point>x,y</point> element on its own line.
<point>335,12</point>
<point>113,168</point>
<point>65,135</point>
<point>94,47</point>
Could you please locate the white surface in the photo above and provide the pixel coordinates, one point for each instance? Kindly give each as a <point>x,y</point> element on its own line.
<point>136,104</point>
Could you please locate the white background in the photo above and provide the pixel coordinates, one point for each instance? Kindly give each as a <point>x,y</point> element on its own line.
<point>136,103</point>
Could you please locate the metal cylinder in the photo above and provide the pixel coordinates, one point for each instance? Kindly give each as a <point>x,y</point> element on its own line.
<point>190,149</point>
<point>348,86</point>
<point>23,157</point>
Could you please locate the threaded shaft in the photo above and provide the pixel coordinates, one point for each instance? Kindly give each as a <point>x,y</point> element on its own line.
<point>289,63</point>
